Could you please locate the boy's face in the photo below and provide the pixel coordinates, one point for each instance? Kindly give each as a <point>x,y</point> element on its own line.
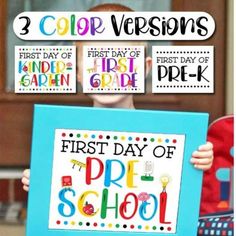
<point>105,99</point>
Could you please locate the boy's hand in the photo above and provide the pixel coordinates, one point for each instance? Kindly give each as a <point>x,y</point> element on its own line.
<point>202,158</point>
<point>26,179</point>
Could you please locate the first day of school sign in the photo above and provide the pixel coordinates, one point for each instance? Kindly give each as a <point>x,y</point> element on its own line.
<point>111,177</point>
<point>91,175</point>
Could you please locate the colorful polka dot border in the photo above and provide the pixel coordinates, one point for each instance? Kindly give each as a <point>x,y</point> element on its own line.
<point>45,48</point>
<point>115,89</point>
<point>45,89</point>
<point>114,225</point>
<point>118,137</point>
<point>113,49</point>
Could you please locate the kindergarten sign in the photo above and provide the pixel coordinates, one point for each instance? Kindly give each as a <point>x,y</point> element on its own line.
<point>45,69</point>
<point>115,181</point>
<point>113,69</point>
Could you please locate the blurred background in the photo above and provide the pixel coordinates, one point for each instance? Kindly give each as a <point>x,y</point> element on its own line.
<point>16,110</point>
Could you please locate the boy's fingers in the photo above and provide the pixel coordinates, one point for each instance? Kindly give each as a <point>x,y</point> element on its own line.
<point>26,173</point>
<point>201,154</point>
<point>206,147</point>
<point>204,161</point>
<point>25,181</point>
<point>26,188</point>
<point>202,167</point>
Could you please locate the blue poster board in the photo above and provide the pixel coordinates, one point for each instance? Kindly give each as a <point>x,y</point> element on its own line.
<point>112,171</point>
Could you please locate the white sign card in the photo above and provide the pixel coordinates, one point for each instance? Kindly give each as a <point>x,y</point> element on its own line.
<point>45,69</point>
<point>113,69</point>
<point>183,69</point>
<point>115,181</point>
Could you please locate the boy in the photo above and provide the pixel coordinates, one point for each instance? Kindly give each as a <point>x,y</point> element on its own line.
<point>201,159</point>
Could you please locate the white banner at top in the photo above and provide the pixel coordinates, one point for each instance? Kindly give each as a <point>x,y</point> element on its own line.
<point>114,26</point>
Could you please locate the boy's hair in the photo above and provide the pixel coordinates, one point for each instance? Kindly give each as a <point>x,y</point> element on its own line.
<point>110,7</point>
